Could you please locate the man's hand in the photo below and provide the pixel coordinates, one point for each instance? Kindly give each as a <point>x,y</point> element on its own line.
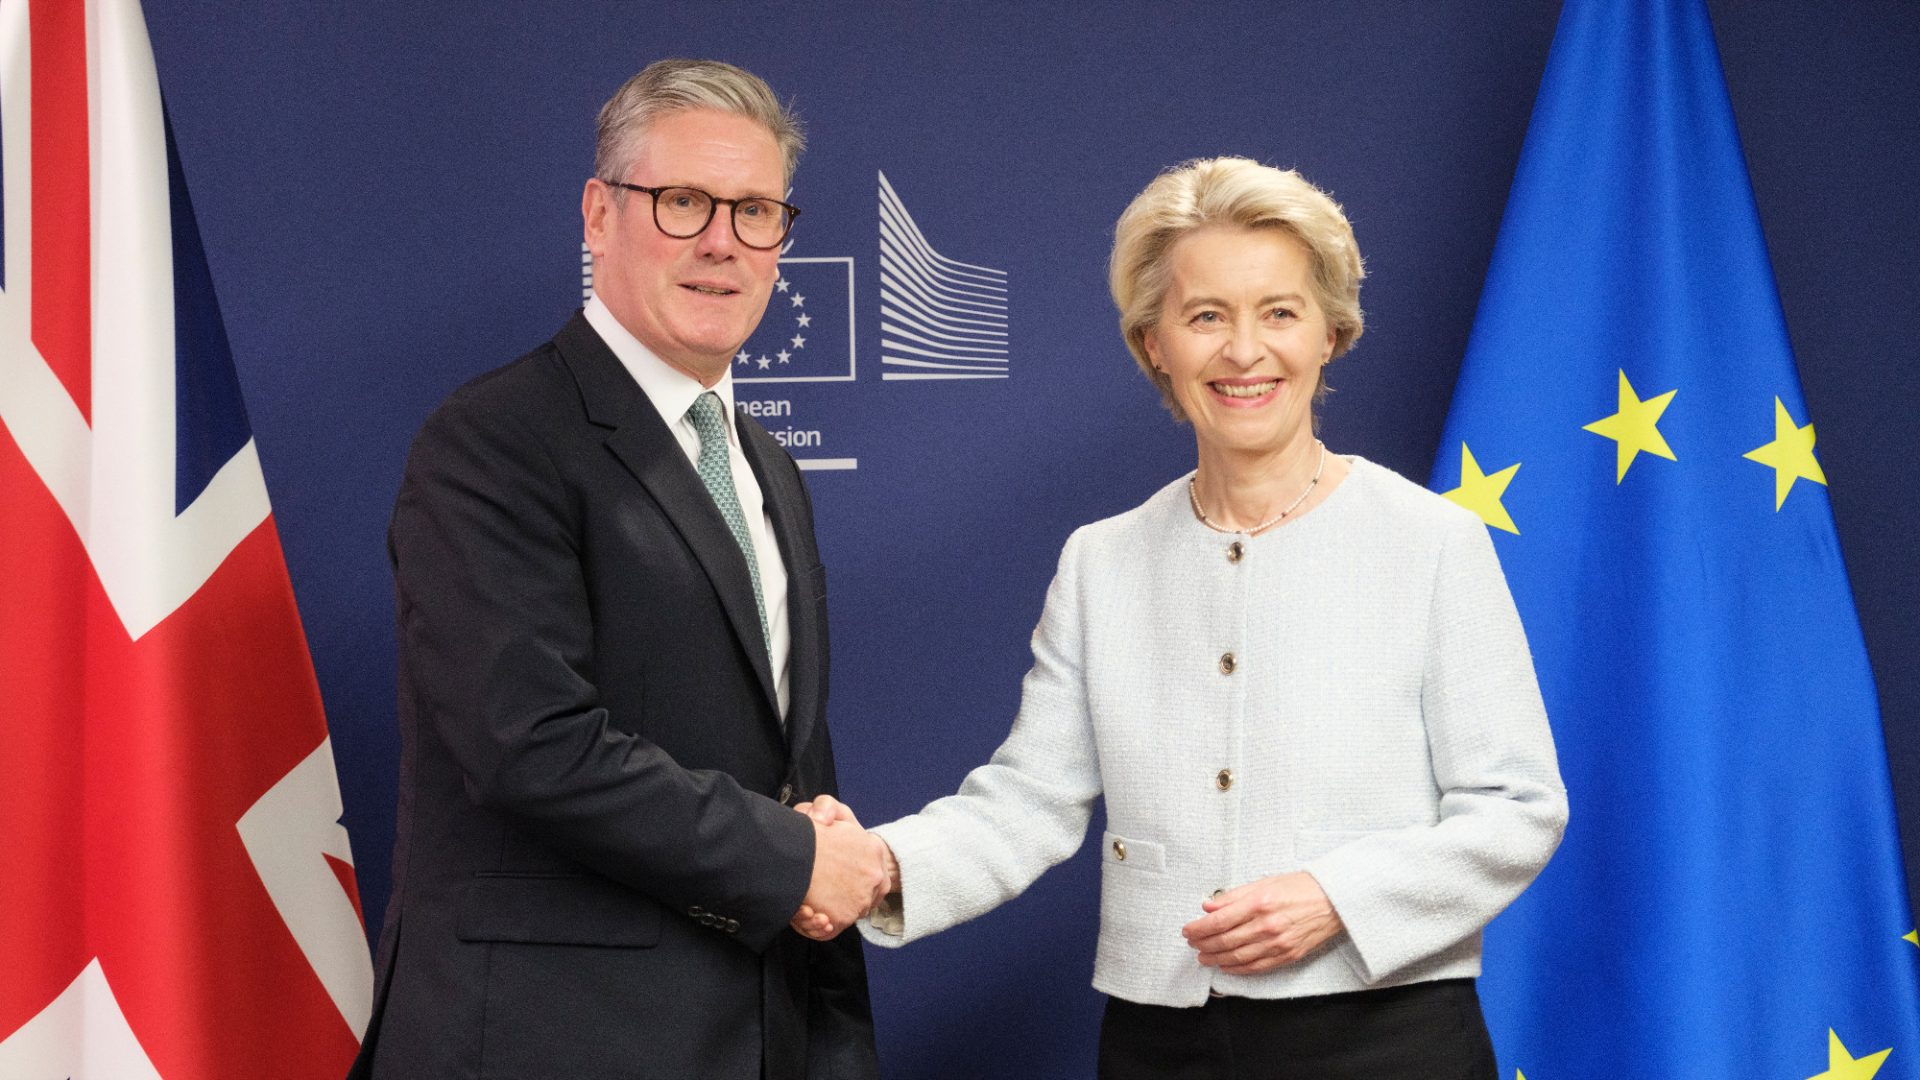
<point>827,810</point>
<point>850,873</point>
<point>1263,924</point>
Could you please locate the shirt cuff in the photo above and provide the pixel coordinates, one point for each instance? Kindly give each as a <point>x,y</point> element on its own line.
<point>888,917</point>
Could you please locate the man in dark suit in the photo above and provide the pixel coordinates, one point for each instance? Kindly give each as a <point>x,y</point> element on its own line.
<point>613,665</point>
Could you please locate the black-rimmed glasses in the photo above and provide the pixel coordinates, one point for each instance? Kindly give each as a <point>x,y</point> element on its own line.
<point>684,213</point>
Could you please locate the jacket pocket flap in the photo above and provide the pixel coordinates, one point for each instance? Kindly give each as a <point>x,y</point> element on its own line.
<point>570,910</point>
<point>1131,853</point>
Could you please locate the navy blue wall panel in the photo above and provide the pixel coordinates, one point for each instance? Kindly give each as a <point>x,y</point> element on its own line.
<point>388,196</point>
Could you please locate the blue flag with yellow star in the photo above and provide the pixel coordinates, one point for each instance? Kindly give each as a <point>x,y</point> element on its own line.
<point>1729,900</point>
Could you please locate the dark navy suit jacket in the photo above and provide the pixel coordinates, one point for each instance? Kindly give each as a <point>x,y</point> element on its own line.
<point>597,856</point>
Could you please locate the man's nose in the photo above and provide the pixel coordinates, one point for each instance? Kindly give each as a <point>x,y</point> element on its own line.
<point>718,238</point>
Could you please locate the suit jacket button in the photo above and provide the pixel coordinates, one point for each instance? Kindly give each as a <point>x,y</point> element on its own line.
<point>786,794</point>
<point>1223,779</point>
<point>1120,851</point>
<point>1228,663</point>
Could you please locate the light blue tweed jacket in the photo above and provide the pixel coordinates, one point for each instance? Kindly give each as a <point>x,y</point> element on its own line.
<point>1379,726</point>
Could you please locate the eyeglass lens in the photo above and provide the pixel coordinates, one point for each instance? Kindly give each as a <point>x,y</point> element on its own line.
<point>683,212</point>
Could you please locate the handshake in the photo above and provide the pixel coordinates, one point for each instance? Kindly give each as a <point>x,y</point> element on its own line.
<point>853,871</point>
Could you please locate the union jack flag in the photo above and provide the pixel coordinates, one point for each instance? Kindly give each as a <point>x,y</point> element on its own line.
<point>177,895</point>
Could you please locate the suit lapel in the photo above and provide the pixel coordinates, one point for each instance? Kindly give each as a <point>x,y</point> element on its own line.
<point>806,631</point>
<point>642,442</point>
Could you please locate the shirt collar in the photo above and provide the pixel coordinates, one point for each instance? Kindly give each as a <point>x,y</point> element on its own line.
<point>672,392</point>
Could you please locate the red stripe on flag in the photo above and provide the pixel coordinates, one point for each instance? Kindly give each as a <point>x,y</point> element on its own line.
<point>62,278</point>
<point>42,743</point>
<point>349,881</point>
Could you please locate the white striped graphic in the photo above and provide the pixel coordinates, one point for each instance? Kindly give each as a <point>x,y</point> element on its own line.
<point>939,318</point>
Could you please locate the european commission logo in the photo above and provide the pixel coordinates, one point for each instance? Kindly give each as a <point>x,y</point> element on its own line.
<point>939,319</point>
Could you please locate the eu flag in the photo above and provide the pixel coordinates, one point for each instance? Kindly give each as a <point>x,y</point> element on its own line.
<point>807,333</point>
<point>1729,900</point>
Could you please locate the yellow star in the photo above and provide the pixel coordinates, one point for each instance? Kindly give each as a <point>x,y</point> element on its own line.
<point>1790,454</point>
<point>1913,936</point>
<point>1481,493</point>
<point>1844,1066</point>
<point>1633,427</point>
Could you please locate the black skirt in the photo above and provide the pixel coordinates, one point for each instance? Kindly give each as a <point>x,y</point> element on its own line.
<point>1423,1031</point>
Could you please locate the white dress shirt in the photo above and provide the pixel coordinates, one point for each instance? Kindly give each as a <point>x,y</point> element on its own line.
<point>673,394</point>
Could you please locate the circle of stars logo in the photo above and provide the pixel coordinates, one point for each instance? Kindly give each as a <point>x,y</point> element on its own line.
<point>797,308</point>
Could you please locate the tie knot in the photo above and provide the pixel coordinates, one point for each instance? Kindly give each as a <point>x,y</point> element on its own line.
<point>706,418</point>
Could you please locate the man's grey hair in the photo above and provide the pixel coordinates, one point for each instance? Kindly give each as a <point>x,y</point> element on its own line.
<point>665,87</point>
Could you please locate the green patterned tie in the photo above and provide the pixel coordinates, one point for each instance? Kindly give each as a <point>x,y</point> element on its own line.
<point>717,473</point>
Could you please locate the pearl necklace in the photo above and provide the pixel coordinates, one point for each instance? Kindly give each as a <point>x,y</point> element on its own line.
<point>1193,496</point>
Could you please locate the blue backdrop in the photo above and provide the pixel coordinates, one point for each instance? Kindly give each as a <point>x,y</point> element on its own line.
<point>389,200</point>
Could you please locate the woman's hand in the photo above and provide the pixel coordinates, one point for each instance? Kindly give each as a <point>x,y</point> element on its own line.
<point>1263,924</point>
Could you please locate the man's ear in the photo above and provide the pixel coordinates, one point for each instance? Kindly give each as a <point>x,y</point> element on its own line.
<point>596,202</point>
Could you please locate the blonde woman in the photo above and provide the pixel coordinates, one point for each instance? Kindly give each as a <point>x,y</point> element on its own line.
<point>1296,679</point>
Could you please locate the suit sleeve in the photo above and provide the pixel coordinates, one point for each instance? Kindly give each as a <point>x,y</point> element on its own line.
<point>497,632</point>
<point>1405,894</point>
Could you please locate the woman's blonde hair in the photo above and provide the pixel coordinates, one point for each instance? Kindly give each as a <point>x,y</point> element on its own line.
<point>1229,191</point>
